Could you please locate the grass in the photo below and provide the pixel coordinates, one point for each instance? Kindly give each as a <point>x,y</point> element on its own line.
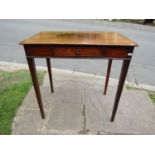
<point>13,88</point>
<point>151,94</point>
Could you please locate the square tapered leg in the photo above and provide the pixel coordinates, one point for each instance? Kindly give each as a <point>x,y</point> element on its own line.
<point>50,73</point>
<point>107,75</point>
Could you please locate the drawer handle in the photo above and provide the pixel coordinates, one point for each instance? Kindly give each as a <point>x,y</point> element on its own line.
<point>77,52</point>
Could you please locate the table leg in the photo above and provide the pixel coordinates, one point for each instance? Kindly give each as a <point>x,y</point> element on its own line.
<point>50,73</point>
<point>107,75</point>
<point>122,78</point>
<point>33,72</point>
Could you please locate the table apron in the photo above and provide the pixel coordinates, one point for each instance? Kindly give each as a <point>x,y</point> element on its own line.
<point>79,52</point>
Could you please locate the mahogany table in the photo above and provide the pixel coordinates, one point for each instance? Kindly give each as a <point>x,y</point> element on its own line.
<point>96,45</point>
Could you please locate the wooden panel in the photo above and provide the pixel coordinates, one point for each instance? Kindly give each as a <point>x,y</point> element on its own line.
<point>38,51</point>
<point>116,52</point>
<point>79,38</point>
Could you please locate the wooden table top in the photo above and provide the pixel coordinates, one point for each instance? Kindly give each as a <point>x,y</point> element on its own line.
<point>78,38</point>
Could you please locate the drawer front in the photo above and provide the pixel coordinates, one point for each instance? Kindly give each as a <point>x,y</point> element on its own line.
<point>108,52</point>
<point>68,52</point>
<point>78,52</point>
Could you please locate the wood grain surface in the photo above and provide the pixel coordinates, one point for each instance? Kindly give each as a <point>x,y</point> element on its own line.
<point>79,38</point>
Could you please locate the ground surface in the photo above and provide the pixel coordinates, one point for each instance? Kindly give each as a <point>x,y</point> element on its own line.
<point>78,106</point>
<point>142,69</point>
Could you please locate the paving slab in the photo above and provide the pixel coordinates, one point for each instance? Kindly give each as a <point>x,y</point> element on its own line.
<point>27,123</point>
<point>66,112</point>
<point>78,106</point>
<point>135,113</point>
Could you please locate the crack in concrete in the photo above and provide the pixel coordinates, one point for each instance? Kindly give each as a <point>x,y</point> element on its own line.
<point>83,110</point>
<point>46,119</point>
<point>134,76</point>
<point>135,79</point>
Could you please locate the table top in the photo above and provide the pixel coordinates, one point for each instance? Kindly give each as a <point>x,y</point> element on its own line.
<point>78,38</point>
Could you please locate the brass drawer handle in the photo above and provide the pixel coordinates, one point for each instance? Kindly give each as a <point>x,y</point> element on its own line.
<point>77,52</point>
